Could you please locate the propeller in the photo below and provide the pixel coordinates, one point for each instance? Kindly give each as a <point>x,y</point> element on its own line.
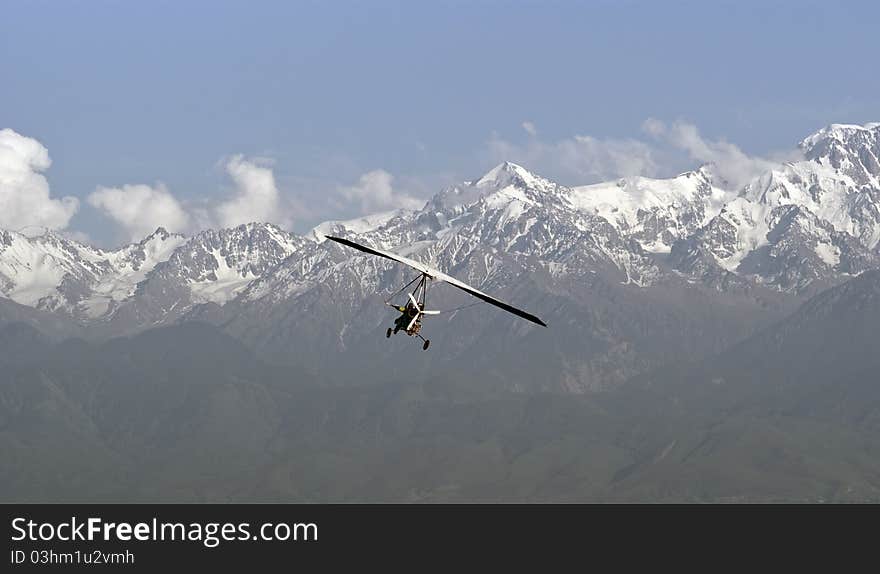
<point>419,313</point>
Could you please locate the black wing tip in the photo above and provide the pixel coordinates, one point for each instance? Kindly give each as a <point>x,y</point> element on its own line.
<point>537,321</point>
<point>348,242</point>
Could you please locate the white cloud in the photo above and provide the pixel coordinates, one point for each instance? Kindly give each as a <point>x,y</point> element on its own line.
<point>25,200</point>
<point>374,192</point>
<point>78,236</point>
<point>256,197</point>
<point>654,127</point>
<point>140,209</point>
<point>732,164</point>
<point>672,148</point>
<point>578,160</point>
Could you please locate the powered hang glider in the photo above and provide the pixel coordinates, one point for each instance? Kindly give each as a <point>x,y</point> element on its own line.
<point>410,320</point>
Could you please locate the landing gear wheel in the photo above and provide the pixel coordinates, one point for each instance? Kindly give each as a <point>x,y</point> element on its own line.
<point>425,346</point>
<point>396,329</point>
<point>388,333</point>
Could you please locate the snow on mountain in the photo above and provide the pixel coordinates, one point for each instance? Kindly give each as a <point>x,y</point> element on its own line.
<point>131,265</point>
<point>35,270</point>
<point>848,206</point>
<point>802,249</point>
<point>56,273</point>
<point>813,220</point>
<point>514,212</point>
<point>839,180</point>
<point>505,174</point>
<point>487,232</point>
<point>214,266</point>
<point>358,225</point>
<point>851,150</point>
<point>505,183</point>
<point>829,201</point>
<point>655,212</point>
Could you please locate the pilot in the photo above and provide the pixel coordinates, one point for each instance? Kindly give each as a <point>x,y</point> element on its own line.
<point>406,316</point>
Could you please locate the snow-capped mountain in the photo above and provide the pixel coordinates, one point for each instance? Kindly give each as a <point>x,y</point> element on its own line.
<point>655,212</point>
<point>480,228</point>
<point>55,273</point>
<point>622,265</point>
<point>33,269</point>
<point>511,233</point>
<point>356,226</point>
<point>217,265</point>
<point>812,219</point>
<point>852,150</point>
<point>818,218</point>
<point>212,267</point>
<point>130,265</point>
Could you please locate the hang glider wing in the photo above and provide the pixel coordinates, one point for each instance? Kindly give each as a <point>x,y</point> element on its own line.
<point>435,274</point>
<point>487,298</point>
<point>387,254</point>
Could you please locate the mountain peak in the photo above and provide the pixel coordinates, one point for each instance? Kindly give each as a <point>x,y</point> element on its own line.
<point>160,233</point>
<point>253,226</point>
<point>505,173</point>
<point>504,181</point>
<point>358,225</point>
<point>843,133</point>
<point>853,150</point>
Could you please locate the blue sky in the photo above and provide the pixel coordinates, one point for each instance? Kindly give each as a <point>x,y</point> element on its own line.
<point>323,94</point>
